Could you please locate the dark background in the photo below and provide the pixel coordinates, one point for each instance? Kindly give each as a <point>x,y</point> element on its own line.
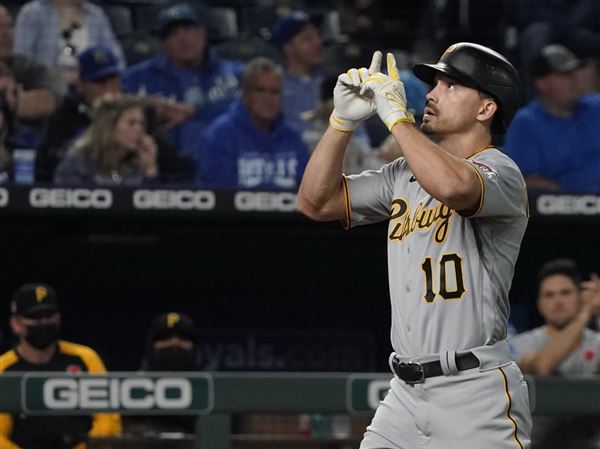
<point>113,275</point>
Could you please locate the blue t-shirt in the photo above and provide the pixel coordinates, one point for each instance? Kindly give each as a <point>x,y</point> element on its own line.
<point>235,154</point>
<point>211,88</point>
<point>566,151</point>
<point>300,95</point>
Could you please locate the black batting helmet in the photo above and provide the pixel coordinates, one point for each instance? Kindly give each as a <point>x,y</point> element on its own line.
<point>483,69</point>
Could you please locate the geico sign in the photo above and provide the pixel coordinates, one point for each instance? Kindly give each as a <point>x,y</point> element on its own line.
<point>3,197</point>
<point>71,198</point>
<point>174,199</point>
<point>265,201</point>
<point>568,205</point>
<point>103,394</point>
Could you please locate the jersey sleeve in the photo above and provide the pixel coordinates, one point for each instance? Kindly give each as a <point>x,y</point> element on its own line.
<point>503,190</point>
<point>6,428</point>
<point>103,424</point>
<point>369,194</point>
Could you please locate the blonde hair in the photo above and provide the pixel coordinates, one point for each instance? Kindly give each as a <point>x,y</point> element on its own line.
<point>98,142</point>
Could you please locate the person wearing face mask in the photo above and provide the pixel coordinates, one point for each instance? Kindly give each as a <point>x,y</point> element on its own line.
<point>35,320</point>
<point>171,345</point>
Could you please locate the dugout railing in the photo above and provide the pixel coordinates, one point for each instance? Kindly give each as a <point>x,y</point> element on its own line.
<point>214,397</point>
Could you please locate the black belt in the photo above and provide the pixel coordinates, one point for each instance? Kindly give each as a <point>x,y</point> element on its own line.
<point>416,373</point>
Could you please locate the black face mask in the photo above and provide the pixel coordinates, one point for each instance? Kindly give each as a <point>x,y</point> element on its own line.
<point>41,336</point>
<point>172,359</point>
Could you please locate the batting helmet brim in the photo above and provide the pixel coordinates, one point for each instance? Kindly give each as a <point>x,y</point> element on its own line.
<point>427,73</point>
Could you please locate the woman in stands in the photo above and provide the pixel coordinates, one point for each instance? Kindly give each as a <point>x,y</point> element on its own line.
<point>115,149</point>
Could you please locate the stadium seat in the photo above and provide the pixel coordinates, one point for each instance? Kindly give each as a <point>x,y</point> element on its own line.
<point>139,45</point>
<point>120,16</point>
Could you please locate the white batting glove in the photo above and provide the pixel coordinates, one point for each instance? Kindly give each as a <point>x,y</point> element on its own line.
<point>351,108</point>
<point>388,95</point>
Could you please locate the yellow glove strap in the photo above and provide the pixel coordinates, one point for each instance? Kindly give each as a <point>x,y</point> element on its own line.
<point>340,124</point>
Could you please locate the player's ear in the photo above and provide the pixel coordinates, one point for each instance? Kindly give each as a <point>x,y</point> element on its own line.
<point>16,326</point>
<point>487,108</point>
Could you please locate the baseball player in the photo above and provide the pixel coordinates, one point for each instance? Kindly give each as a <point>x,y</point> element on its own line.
<point>457,212</point>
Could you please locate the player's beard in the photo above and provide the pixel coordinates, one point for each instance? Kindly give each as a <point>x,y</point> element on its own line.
<point>430,132</point>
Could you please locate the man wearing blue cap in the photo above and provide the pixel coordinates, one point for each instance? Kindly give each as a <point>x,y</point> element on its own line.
<point>558,129</point>
<point>302,47</point>
<point>299,39</point>
<point>99,74</point>
<point>187,71</point>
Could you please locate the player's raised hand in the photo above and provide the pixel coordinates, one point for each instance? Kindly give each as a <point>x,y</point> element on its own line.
<point>350,107</point>
<point>388,94</point>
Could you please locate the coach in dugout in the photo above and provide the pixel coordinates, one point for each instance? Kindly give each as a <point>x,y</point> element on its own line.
<point>35,320</point>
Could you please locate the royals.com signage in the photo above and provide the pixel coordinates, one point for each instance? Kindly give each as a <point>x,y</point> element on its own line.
<point>147,393</point>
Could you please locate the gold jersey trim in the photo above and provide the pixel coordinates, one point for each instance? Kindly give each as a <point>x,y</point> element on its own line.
<point>8,359</point>
<point>347,222</point>
<point>508,408</point>
<point>88,355</point>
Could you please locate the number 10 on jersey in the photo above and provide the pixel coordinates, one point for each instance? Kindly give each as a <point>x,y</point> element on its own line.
<point>447,275</point>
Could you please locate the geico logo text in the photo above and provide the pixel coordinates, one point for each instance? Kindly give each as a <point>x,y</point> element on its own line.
<point>71,198</point>
<point>568,205</point>
<point>265,201</point>
<point>107,394</point>
<point>174,199</point>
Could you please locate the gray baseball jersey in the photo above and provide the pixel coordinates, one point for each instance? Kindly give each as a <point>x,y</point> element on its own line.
<point>449,275</point>
<point>584,360</point>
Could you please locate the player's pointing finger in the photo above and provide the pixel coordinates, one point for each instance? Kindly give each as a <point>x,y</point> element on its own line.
<point>375,63</point>
<point>392,67</point>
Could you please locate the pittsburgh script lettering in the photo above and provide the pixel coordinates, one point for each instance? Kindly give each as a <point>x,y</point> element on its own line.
<point>422,219</point>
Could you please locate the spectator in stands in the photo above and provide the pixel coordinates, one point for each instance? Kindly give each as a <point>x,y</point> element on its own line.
<point>171,345</point>
<point>588,76</point>
<point>299,39</point>
<point>200,84</point>
<point>115,149</point>
<point>564,344</point>
<point>41,88</point>
<point>555,139</point>
<point>252,146</point>
<point>54,32</point>
<point>8,105</point>
<point>36,321</point>
<point>99,74</point>
<point>572,23</point>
